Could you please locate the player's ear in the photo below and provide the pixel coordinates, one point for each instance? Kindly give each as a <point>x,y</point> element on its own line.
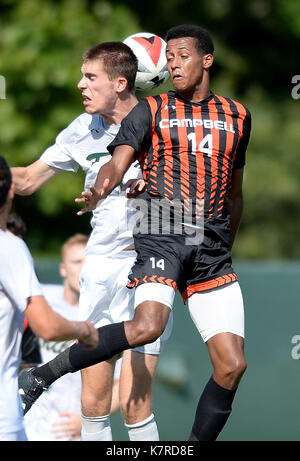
<point>11,192</point>
<point>207,61</point>
<point>121,84</point>
<point>62,270</point>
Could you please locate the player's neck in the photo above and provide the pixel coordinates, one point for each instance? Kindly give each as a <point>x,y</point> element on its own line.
<point>2,223</point>
<point>122,108</point>
<point>71,296</point>
<point>199,92</point>
<point>4,211</point>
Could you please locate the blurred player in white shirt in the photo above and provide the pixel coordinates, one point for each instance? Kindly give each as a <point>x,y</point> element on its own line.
<point>21,294</point>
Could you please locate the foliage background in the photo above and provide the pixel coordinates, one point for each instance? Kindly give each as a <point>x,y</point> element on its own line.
<point>257,53</point>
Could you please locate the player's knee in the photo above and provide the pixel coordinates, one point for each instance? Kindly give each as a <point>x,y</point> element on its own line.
<point>93,405</point>
<point>147,332</point>
<point>233,368</point>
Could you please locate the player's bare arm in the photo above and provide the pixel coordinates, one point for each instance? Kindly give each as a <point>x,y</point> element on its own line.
<point>49,325</point>
<point>29,179</point>
<point>109,176</point>
<point>235,203</point>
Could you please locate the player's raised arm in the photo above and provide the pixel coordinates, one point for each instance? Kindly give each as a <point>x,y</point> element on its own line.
<point>109,176</point>
<point>30,178</point>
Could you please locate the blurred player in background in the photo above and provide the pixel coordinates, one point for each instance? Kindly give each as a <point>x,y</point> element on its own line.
<point>21,294</point>
<point>56,416</point>
<point>107,87</point>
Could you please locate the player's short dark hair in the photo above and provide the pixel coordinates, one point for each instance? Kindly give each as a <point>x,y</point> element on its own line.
<point>5,180</point>
<point>118,60</point>
<point>204,41</point>
<point>16,225</point>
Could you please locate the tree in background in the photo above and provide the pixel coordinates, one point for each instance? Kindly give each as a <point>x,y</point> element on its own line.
<point>257,48</point>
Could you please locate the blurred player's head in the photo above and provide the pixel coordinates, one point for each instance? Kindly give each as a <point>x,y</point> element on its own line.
<point>72,258</point>
<point>108,71</point>
<point>6,185</point>
<point>189,55</point>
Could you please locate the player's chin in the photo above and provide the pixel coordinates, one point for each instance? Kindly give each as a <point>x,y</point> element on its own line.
<point>178,84</point>
<point>90,110</point>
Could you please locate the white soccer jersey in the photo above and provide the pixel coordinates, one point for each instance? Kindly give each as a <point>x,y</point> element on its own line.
<point>64,394</point>
<point>18,282</point>
<point>84,144</point>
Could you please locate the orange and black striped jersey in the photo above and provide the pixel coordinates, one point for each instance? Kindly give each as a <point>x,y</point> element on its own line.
<point>188,150</point>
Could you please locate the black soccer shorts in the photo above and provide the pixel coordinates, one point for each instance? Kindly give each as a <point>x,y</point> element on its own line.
<point>167,259</point>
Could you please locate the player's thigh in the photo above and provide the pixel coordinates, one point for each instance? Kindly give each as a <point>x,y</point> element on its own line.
<point>94,297</point>
<point>218,311</point>
<point>136,380</point>
<point>121,306</point>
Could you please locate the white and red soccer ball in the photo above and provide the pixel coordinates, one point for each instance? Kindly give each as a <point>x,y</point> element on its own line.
<point>150,50</point>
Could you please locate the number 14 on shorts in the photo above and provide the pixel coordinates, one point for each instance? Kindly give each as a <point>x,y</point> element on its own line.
<point>160,263</point>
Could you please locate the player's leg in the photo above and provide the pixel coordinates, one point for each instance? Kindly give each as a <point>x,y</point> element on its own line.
<point>139,365</point>
<point>219,317</point>
<point>97,380</point>
<point>136,381</point>
<point>115,398</point>
<point>137,375</point>
<point>96,397</point>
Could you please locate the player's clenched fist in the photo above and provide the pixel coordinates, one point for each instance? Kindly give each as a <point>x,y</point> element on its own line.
<point>88,335</point>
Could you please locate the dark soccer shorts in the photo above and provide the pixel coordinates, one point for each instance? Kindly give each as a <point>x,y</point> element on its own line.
<point>168,260</point>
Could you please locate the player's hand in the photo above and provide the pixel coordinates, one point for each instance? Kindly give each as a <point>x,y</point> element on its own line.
<point>134,187</point>
<point>68,426</point>
<point>88,335</point>
<point>91,199</point>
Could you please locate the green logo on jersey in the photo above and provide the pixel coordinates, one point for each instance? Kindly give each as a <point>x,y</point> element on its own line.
<point>94,158</point>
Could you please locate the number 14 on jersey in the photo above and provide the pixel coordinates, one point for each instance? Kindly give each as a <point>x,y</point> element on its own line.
<point>205,145</point>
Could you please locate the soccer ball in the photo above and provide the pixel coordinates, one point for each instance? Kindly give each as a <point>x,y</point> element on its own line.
<point>150,50</point>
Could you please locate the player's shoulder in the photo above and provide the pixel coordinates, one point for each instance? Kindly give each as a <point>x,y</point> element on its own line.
<point>13,248</point>
<point>52,290</point>
<point>54,295</point>
<point>156,102</point>
<point>84,123</point>
<point>232,104</point>
<point>158,98</point>
<point>10,241</point>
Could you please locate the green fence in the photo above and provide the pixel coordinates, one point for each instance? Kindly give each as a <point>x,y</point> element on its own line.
<point>267,404</point>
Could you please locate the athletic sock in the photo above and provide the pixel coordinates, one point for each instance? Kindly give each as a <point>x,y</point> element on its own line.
<point>96,429</point>
<point>112,341</point>
<point>145,430</point>
<point>213,410</point>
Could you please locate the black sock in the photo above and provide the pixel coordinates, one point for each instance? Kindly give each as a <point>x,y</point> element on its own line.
<point>112,341</point>
<point>213,410</point>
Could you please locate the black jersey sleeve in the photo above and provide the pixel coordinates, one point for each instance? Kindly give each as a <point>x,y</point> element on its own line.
<point>240,157</point>
<point>135,129</point>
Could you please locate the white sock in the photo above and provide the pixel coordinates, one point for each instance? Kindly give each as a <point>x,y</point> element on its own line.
<point>96,428</point>
<point>144,430</point>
